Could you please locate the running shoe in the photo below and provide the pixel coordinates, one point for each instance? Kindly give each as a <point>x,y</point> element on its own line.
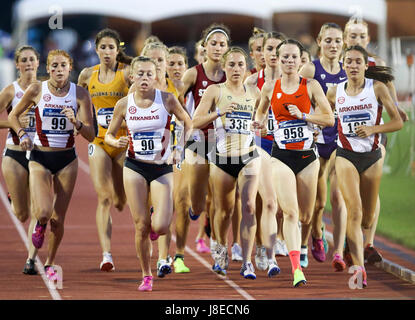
<point>213,244</point>
<point>304,257</point>
<point>29,267</point>
<point>38,235</point>
<point>236,251</point>
<point>273,268</point>
<point>192,216</point>
<point>51,273</point>
<point>318,250</point>
<point>221,257</point>
<point>299,279</point>
<point>179,266</point>
<point>163,268</point>
<point>371,255</point>
<point>201,246</point>
<point>338,263</point>
<point>261,259</point>
<point>363,276</point>
<point>9,198</point>
<point>107,264</point>
<point>323,237</point>
<point>280,248</point>
<point>248,271</point>
<point>146,284</point>
<point>216,268</point>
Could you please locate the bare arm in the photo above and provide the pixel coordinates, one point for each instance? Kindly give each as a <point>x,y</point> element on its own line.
<point>189,79</point>
<point>6,98</point>
<point>264,103</point>
<point>308,70</point>
<point>84,123</point>
<point>324,116</point>
<point>115,124</point>
<point>331,96</point>
<point>84,77</point>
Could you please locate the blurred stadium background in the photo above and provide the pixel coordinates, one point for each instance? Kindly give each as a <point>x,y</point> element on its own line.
<point>72,25</point>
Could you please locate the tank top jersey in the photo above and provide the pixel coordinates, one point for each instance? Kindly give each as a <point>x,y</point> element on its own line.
<point>104,96</point>
<point>53,129</point>
<point>148,130</point>
<point>12,137</point>
<point>362,109</point>
<point>271,119</point>
<point>292,133</point>
<point>326,80</point>
<point>233,130</point>
<point>193,100</point>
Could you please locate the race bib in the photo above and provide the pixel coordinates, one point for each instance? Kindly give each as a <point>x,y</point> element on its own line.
<point>270,125</point>
<point>146,143</point>
<point>293,131</point>
<point>32,121</point>
<point>238,122</point>
<point>352,121</point>
<point>104,117</point>
<point>54,122</point>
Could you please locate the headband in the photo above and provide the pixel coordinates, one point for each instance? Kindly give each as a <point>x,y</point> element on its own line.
<point>214,31</point>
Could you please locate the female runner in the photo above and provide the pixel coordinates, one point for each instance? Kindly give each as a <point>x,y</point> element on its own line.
<point>60,107</point>
<point>15,165</point>
<point>294,161</point>
<point>148,164</point>
<point>359,102</point>
<point>106,82</point>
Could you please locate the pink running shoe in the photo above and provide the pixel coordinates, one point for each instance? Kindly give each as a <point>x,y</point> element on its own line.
<point>318,250</point>
<point>51,274</point>
<point>146,284</point>
<point>38,235</point>
<point>338,263</point>
<point>364,275</point>
<point>202,247</point>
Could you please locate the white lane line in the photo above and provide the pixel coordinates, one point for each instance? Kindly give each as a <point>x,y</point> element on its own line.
<point>84,166</point>
<point>53,292</point>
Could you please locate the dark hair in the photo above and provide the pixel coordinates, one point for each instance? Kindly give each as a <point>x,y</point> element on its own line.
<point>110,33</point>
<point>290,41</point>
<point>380,73</point>
<point>234,50</point>
<point>220,27</point>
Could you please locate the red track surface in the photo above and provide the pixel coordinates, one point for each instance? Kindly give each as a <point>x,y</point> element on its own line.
<point>80,255</point>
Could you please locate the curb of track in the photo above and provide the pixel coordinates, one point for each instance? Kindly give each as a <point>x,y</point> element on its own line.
<point>387,265</point>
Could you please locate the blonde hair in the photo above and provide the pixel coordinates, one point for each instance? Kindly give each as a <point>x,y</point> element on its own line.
<point>352,21</point>
<point>257,33</point>
<point>234,50</point>
<point>141,59</point>
<point>58,52</point>
<point>154,45</point>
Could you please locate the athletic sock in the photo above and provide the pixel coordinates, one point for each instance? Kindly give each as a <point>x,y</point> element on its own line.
<point>181,256</point>
<point>295,260</point>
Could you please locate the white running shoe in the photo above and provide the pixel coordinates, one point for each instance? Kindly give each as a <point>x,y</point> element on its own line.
<point>273,268</point>
<point>222,256</point>
<point>261,259</point>
<point>107,264</point>
<point>280,249</point>
<point>213,244</point>
<point>236,252</point>
<point>248,271</point>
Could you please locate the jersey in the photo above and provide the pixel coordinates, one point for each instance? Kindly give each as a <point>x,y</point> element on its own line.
<point>148,130</point>
<point>362,109</point>
<point>292,133</point>
<point>233,130</point>
<point>271,119</point>
<point>326,80</point>
<point>104,96</point>
<point>197,91</point>
<point>12,137</point>
<point>53,129</point>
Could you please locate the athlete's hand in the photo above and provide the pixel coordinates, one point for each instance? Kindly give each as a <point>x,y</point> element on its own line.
<point>364,131</point>
<point>70,114</point>
<point>256,125</point>
<point>24,121</point>
<point>176,156</point>
<point>26,143</point>
<point>294,111</point>
<point>122,142</point>
<point>403,114</point>
<point>226,110</point>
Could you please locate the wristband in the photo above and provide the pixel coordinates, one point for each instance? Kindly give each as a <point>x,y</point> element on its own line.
<point>397,103</point>
<point>18,132</point>
<point>218,113</point>
<point>80,127</point>
<point>179,148</point>
<point>23,137</point>
<point>304,117</point>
